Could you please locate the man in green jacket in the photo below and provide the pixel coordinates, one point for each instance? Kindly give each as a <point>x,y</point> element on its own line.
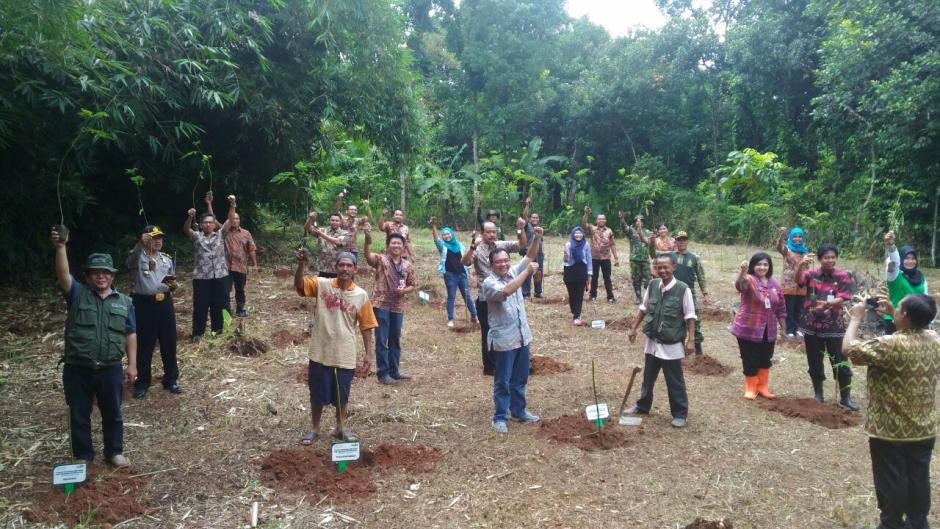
<point>99,330</point>
<point>689,270</point>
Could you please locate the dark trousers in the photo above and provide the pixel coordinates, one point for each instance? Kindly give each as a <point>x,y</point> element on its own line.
<point>527,285</point>
<point>640,277</point>
<point>83,386</point>
<point>489,358</point>
<point>601,265</point>
<point>208,297</point>
<point>237,280</point>
<point>833,349</point>
<point>675,386</point>
<point>575,297</point>
<point>156,321</point>
<point>755,355</point>
<point>902,482</point>
<point>794,308</point>
<point>388,342</point>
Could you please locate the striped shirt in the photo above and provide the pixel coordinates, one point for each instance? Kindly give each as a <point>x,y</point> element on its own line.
<point>825,286</point>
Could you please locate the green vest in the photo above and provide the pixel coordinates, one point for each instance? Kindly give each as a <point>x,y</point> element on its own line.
<point>95,329</point>
<point>665,317</point>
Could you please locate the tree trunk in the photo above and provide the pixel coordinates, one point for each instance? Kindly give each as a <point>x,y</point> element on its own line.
<point>933,234</point>
<point>402,179</point>
<point>476,177</point>
<point>871,189</point>
<point>573,173</point>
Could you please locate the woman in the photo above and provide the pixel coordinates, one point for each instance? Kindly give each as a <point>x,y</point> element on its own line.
<point>662,242</point>
<point>823,322</point>
<point>578,267</point>
<point>454,272</point>
<point>901,275</point>
<point>791,247</point>
<point>754,326</point>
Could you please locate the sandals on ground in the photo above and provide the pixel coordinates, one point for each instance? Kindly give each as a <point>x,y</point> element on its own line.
<point>309,438</point>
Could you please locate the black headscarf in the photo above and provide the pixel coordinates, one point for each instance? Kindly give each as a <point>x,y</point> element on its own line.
<point>914,276</point>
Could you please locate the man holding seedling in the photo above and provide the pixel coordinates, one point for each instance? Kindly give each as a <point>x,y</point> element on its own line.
<point>239,247</point>
<point>509,335</point>
<point>602,247</point>
<point>332,241</point>
<point>639,254</point>
<point>397,225</point>
<point>667,314</point>
<point>210,275</point>
<point>99,330</point>
<point>343,311</point>
<point>352,223</point>
<point>689,270</point>
<point>532,221</point>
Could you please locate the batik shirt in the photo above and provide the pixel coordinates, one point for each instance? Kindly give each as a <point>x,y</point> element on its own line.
<point>823,286</point>
<point>209,255</point>
<point>602,239</point>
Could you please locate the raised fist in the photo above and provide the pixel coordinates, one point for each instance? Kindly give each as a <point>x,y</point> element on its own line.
<point>191,212</point>
<point>231,199</point>
<point>520,223</point>
<point>539,231</point>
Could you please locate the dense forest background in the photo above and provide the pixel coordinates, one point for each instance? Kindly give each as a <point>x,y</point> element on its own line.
<point>726,122</point>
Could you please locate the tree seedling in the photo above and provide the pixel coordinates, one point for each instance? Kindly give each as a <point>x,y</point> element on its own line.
<point>598,411</point>
<point>342,450</point>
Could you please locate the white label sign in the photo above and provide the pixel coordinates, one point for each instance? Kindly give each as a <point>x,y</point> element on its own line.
<point>597,411</point>
<point>598,324</point>
<point>63,474</point>
<point>424,296</point>
<point>345,451</point>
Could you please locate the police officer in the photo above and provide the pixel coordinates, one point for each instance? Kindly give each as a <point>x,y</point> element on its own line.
<point>154,275</point>
<point>99,330</point>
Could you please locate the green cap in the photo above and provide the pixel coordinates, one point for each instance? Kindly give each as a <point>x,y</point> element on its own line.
<point>100,261</point>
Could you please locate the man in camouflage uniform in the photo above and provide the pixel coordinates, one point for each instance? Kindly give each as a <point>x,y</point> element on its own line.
<point>689,270</point>
<point>639,254</point>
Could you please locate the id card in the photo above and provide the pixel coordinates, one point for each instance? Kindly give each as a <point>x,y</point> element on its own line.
<point>766,303</point>
<point>830,298</point>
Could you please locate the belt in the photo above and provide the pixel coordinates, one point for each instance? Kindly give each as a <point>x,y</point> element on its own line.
<point>159,296</point>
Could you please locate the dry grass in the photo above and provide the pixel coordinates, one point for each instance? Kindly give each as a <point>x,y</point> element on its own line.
<point>202,450</point>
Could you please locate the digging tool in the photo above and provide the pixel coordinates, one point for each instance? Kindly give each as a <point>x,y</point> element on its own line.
<point>626,395</point>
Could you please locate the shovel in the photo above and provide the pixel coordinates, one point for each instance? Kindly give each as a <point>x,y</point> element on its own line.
<point>629,421</point>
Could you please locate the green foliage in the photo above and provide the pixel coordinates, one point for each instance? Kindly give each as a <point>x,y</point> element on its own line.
<point>750,174</point>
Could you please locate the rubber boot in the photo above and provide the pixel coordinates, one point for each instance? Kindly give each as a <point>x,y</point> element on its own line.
<point>763,381</point>
<point>698,349</point>
<point>845,392</point>
<point>750,388</point>
<point>818,390</point>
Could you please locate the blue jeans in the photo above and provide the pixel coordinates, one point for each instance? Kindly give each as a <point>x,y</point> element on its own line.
<point>453,281</point>
<point>512,373</point>
<point>388,342</point>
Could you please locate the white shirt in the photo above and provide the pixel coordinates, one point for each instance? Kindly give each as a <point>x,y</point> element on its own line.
<point>672,351</point>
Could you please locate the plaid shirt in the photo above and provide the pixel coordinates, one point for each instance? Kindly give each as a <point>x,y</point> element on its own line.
<point>821,285</point>
<point>760,303</point>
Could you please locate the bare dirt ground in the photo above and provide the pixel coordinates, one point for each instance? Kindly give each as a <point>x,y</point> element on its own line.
<point>201,459</point>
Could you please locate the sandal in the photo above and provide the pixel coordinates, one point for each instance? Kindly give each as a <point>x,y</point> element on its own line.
<point>347,435</point>
<point>309,438</point>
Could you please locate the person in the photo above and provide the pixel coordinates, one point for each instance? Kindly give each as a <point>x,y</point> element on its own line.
<point>791,246</point>
<point>509,336</point>
<point>479,256</point>
<point>352,223</point>
<point>661,243</point>
<point>689,270</point>
<point>491,216</point>
<point>762,305</point>
<point>639,254</point>
<point>901,422</point>
<point>397,225</point>
<point>394,278</point>
<point>533,220</point>
<point>210,275</point>
<point>332,241</point>
<point>577,271</point>
<point>454,272</point>
<point>100,329</point>
<point>602,247</point>
<point>667,314</point>
<point>901,275</point>
<point>822,322</point>
<point>239,247</point>
<point>343,310</point>
<point>154,280</point>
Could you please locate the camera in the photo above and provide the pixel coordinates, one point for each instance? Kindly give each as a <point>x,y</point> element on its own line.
<point>871,303</point>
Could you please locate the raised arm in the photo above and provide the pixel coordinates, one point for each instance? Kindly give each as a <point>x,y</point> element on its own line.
<point>188,225</point>
<point>893,264</point>
<point>525,208</point>
<point>741,283</point>
<point>338,205</point>
<point>520,232</point>
<point>62,274</point>
<point>533,251</point>
<point>231,213</point>
<point>310,223</point>
<point>468,255</point>
<point>801,270</point>
<point>623,223</point>
<point>371,258</point>
<point>208,200</point>
<point>382,224</point>
<point>782,241</point>
<point>432,222</point>
<point>584,220</point>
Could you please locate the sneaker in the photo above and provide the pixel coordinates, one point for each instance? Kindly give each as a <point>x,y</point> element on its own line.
<point>635,410</point>
<point>578,322</point>
<point>388,380</point>
<point>611,300</point>
<point>526,417</point>
<point>592,298</point>
<point>173,388</point>
<point>401,376</point>
<point>538,296</point>
<point>800,334</point>
<point>120,461</point>
<point>790,335</point>
<point>450,323</point>
<point>679,422</point>
<point>241,313</point>
<point>500,427</point>
<point>140,392</point>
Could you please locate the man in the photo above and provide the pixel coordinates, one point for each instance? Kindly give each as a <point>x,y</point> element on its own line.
<point>509,335</point>
<point>397,225</point>
<point>154,277</point>
<point>479,255</point>
<point>667,313</point>
<point>902,420</point>
<point>343,310</point>
<point>534,221</point>
<point>351,222</point>
<point>689,270</point>
<point>210,275</point>
<point>639,254</point>
<point>332,241</point>
<point>602,247</point>
<point>239,247</point>
<point>491,216</point>
<point>99,330</point>
<point>394,278</point>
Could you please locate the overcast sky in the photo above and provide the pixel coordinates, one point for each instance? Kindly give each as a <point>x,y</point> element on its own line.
<point>619,17</point>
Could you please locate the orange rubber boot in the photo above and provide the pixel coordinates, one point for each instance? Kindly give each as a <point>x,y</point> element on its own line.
<point>750,388</point>
<point>763,380</point>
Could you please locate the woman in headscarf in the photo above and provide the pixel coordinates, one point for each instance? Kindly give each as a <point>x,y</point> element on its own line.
<point>454,272</point>
<point>791,246</point>
<point>578,267</point>
<point>901,275</point>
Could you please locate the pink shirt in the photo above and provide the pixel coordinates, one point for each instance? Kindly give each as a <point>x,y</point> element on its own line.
<point>761,304</point>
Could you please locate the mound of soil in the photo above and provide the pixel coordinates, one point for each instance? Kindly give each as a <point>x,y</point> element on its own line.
<point>550,301</point>
<point>706,365</point>
<point>702,523</point>
<point>246,346</point>
<point>112,498</point>
<point>464,329</point>
<point>577,431</point>
<point>713,313</point>
<point>312,473</point>
<point>826,415</point>
<point>544,365</point>
<point>621,324</point>
<point>282,338</point>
